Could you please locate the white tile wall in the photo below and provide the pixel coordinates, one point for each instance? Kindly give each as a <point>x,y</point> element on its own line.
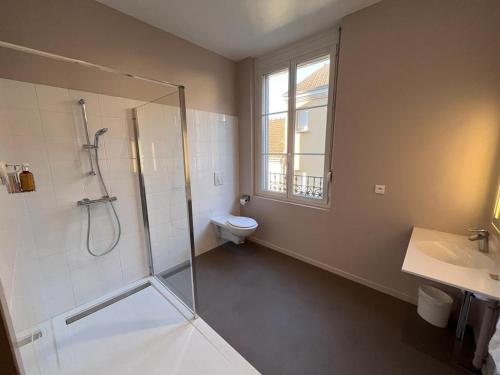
<point>49,270</point>
<point>212,147</point>
<point>44,267</point>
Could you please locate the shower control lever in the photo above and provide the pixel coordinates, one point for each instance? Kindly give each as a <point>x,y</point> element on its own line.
<point>88,202</point>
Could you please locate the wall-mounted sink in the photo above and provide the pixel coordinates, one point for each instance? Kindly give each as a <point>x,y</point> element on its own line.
<point>459,254</point>
<point>453,260</point>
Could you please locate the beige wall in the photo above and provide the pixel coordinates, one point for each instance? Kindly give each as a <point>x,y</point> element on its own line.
<point>418,110</point>
<point>245,89</point>
<point>87,30</point>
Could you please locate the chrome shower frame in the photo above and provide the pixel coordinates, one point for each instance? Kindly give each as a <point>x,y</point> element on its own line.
<point>187,175</point>
<point>187,189</point>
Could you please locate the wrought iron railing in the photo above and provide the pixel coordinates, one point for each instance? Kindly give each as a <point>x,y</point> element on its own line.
<point>277,182</point>
<point>305,186</point>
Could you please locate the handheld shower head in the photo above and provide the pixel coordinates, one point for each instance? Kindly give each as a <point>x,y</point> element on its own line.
<point>97,135</point>
<point>100,132</point>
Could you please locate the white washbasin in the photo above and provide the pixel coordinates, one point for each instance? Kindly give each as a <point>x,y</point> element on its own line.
<point>458,254</point>
<point>453,260</point>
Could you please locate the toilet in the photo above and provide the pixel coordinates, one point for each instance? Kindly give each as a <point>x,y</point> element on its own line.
<point>234,228</point>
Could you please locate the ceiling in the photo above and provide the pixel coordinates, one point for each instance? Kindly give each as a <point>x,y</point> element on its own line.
<point>240,28</point>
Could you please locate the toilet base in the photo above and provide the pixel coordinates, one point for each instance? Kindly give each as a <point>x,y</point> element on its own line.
<point>227,235</point>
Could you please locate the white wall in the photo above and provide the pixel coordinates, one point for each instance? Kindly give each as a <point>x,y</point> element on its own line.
<point>44,266</point>
<point>213,148</point>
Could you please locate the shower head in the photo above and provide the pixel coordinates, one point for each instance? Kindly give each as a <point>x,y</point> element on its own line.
<point>81,101</point>
<point>97,135</point>
<point>100,132</point>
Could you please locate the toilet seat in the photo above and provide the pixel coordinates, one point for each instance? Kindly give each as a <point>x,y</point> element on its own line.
<point>241,222</point>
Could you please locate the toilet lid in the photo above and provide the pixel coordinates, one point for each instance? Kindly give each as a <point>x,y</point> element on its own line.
<point>242,222</point>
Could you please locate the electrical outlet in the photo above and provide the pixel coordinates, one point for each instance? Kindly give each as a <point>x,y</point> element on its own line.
<point>379,189</point>
<point>218,180</point>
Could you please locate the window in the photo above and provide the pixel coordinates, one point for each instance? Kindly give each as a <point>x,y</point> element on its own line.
<point>302,124</point>
<point>294,130</point>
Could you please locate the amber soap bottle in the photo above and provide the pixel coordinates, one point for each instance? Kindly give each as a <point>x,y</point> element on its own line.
<point>26,178</point>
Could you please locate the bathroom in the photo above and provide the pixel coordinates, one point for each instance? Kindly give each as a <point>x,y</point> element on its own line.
<point>150,220</point>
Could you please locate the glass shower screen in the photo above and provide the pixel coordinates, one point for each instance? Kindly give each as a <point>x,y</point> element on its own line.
<point>160,132</point>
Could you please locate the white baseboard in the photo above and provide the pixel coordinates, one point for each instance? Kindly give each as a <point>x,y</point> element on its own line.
<point>360,280</point>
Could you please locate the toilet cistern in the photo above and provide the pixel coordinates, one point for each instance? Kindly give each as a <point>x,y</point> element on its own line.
<point>482,236</point>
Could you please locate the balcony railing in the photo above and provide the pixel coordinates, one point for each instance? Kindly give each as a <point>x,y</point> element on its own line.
<point>304,186</point>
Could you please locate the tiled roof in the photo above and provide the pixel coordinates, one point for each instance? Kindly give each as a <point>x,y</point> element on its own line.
<point>277,135</point>
<point>316,79</point>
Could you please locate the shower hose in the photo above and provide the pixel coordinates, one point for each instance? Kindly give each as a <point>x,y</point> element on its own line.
<point>115,242</point>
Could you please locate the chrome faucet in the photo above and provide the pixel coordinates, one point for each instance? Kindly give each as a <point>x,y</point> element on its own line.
<point>481,235</point>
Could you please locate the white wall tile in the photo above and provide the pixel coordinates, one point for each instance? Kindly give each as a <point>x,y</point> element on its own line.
<point>28,148</point>
<point>58,124</point>
<point>50,271</point>
<point>113,106</point>
<point>67,195</point>
<point>126,188</point>
<point>118,128</point>
<point>53,99</point>
<point>16,121</point>
<point>17,94</point>
<point>133,258</point>
<point>57,292</point>
<point>67,172</point>
<point>94,276</point>
<point>48,232</point>
<point>119,148</point>
<point>208,134</point>
<point>121,168</point>
<point>41,202</point>
<point>62,149</point>
<point>6,148</point>
<point>26,291</point>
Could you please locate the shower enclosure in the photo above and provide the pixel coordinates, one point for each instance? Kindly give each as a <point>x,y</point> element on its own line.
<point>161,146</point>
<point>112,212</point>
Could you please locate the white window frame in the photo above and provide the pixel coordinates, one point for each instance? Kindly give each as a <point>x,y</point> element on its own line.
<point>290,60</point>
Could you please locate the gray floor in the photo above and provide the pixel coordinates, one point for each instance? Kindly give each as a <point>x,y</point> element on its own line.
<point>179,282</point>
<point>287,317</point>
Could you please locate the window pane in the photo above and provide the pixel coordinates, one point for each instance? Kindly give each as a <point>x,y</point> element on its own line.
<point>274,173</point>
<point>274,149</point>
<point>275,98</point>
<point>308,176</point>
<point>310,130</point>
<point>312,83</point>
<point>274,134</point>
